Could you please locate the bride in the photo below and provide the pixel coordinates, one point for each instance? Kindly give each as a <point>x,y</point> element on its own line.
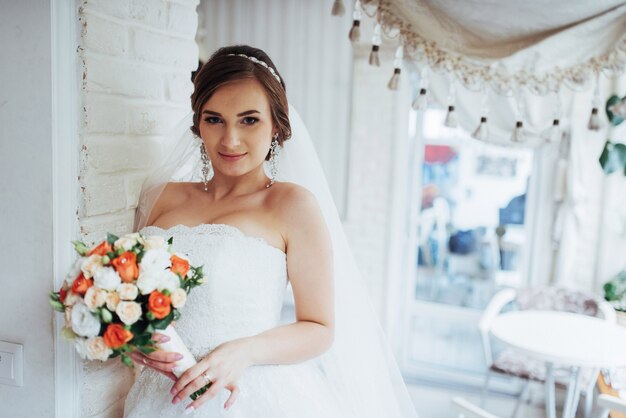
<point>255,236</point>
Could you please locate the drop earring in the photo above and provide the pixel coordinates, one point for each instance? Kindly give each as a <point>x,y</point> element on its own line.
<point>207,168</point>
<point>274,153</point>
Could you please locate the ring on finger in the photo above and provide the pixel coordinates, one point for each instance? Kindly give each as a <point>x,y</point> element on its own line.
<point>144,360</point>
<point>207,377</point>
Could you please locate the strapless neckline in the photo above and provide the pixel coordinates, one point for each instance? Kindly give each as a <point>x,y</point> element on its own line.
<point>217,226</point>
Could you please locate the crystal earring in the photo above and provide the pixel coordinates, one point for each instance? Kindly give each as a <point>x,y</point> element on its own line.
<point>274,153</point>
<point>207,168</point>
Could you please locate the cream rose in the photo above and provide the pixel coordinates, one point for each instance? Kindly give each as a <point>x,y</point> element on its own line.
<point>74,271</point>
<point>95,298</point>
<point>127,241</point>
<point>84,322</point>
<point>112,300</point>
<point>79,343</point>
<point>91,265</point>
<point>96,349</point>
<point>155,242</point>
<point>107,278</point>
<point>127,291</point>
<point>178,298</point>
<point>129,312</point>
<point>72,298</point>
<point>155,260</point>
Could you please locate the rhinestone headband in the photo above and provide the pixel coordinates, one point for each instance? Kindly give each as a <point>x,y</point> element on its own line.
<point>263,63</point>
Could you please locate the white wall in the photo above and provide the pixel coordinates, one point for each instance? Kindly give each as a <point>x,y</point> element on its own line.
<point>137,57</point>
<point>26,199</point>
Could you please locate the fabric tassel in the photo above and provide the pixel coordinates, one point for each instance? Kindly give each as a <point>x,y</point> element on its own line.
<point>338,8</point>
<point>552,133</point>
<point>518,134</point>
<point>374,59</point>
<point>395,80</point>
<point>355,32</point>
<point>421,101</point>
<point>450,120</point>
<point>482,132</point>
<point>594,120</point>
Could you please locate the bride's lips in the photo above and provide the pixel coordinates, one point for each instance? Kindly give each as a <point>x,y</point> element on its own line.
<point>231,157</point>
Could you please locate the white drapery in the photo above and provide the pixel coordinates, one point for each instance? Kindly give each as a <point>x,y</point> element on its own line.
<point>532,62</point>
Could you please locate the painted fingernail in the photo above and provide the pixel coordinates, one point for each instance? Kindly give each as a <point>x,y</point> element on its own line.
<point>173,391</point>
<point>189,410</point>
<point>175,400</point>
<point>178,357</point>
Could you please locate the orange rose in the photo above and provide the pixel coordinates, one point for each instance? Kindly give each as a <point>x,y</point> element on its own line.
<point>101,249</point>
<point>179,265</point>
<point>81,284</point>
<point>116,336</point>
<point>159,304</point>
<point>126,266</point>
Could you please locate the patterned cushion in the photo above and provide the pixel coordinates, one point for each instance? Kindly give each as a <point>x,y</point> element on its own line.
<point>557,299</point>
<point>511,363</point>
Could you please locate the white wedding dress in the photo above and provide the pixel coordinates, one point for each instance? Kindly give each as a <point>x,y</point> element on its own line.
<point>243,292</point>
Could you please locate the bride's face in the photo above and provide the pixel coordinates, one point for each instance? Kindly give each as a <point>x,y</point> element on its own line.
<point>236,127</point>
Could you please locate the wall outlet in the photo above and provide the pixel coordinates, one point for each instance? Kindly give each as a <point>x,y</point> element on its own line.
<point>11,364</point>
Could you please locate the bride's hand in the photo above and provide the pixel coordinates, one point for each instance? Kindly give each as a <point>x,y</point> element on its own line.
<point>161,361</point>
<point>225,365</point>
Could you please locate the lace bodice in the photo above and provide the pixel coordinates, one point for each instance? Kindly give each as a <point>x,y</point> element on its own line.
<point>244,288</point>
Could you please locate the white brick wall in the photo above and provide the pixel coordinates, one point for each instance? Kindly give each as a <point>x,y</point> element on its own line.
<point>136,57</point>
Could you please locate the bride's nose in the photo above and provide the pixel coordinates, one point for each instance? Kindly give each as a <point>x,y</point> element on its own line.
<point>230,139</point>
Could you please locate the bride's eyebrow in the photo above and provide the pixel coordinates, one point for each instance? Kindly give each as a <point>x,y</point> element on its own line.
<point>246,113</point>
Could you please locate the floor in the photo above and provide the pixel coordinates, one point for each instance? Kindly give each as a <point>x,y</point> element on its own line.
<point>432,401</point>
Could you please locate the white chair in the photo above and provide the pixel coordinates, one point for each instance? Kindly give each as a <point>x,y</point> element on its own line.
<point>467,409</point>
<point>511,363</point>
<point>609,403</point>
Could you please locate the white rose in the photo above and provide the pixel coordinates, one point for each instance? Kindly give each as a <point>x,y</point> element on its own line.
<point>155,242</point>
<point>72,298</point>
<point>129,312</point>
<point>91,265</point>
<point>178,298</point>
<point>96,349</point>
<point>112,300</point>
<point>156,260</point>
<point>84,323</point>
<point>169,281</point>
<point>107,278</point>
<point>127,291</point>
<point>127,241</point>
<point>148,281</point>
<point>79,343</point>
<point>95,298</point>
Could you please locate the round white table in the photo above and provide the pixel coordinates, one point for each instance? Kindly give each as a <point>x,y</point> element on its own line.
<point>564,339</point>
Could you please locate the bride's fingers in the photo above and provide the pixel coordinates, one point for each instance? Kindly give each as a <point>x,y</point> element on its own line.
<point>234,393</point>
<point>144,361</point>
<point>211,393</point>
<point>165,356</point>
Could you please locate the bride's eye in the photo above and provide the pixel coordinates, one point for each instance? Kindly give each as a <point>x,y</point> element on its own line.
<point>250,120</point>
<point>212,120</point>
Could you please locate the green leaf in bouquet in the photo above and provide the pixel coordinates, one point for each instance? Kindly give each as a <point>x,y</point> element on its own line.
<point>142,340</point>
<point>150,329</point>
<point>147,350</point>
<point>150,316</point>
<point>111,238</point>
<point>163,323</point>
<point>55,296</point>
<point>127,361</point>
<point>170,240</point>
<point>111,255</point>
<point>68,334</point>
<point>119,251</point>
<point>610,291</point>
<point>140,256</point>
<point>116,353</point>
<point>176,314</point>
<point>57,306</point>
<point>80,247</point>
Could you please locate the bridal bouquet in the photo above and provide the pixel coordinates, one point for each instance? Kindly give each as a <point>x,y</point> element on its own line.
<point>120,292</point>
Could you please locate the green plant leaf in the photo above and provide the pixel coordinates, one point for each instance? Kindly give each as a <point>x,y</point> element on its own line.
<point>111,238</point>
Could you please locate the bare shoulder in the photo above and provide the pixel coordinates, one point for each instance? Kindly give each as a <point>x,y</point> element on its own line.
<point>172,195</point>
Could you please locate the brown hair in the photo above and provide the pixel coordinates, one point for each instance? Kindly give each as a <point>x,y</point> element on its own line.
<point>223,68</point>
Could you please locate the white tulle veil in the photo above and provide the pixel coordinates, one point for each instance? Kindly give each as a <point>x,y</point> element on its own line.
<point>360,367</point>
